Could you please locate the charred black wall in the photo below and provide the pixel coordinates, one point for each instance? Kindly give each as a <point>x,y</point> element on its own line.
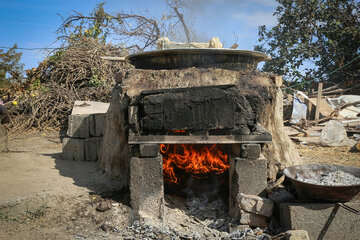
<point>198,109</point>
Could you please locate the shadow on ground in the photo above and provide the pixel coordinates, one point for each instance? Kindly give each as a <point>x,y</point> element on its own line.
<point>88,175</point>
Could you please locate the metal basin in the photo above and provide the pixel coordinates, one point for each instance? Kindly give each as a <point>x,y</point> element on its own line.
<point>198,57</point>
<point>343,193</point>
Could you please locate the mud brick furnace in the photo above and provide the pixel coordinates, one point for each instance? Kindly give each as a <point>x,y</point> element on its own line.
<point>191,118</point>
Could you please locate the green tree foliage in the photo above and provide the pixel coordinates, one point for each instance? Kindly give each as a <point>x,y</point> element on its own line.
<point>312,40</point>
<point>10,66</point>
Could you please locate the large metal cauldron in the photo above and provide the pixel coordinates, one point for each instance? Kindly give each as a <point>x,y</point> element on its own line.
<point>198,57</point>
<point>343,193</point>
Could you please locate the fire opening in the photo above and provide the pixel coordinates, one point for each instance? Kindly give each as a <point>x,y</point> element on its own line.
<point>195,160</point>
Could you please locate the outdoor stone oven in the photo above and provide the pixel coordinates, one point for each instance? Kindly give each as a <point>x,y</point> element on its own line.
<point>182,112</point>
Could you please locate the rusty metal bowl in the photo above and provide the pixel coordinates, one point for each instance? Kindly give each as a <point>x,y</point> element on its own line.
<point>198,57</point>
<point>343,193</point>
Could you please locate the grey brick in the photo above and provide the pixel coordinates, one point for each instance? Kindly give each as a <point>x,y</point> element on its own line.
<point>147,187</point>
<point>74,149</point>
<point>149,150</point>
<point>250,151</point>
<point>79,126</point>
<point>248,177</point>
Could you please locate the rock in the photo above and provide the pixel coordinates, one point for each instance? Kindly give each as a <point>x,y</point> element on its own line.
<point>255,204</point>
<point>334,135</point>
<point>103,206</point>
<point>297,235</point>
<point>234,227</point>
<point>106,227</point>
<point>252,219</point>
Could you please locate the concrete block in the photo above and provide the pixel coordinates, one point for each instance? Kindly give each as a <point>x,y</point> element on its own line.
<point>248,177</point>
<point>97,123</point>
<point>252,219</point>
<point>89,107</point>
<point>321,220</point>
<point>255,204</point>
<point>78,126</point>
<point>149,150</point>
<point>250,151</point>
<point>297,235</point>
<point>74,149</point>
<point>147,188</point>
<point>92,147</point>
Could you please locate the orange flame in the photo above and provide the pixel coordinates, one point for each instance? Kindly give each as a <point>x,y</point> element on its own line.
<point>195,159</point>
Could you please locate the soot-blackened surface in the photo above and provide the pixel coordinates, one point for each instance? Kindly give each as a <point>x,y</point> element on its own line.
<point>197,109</point>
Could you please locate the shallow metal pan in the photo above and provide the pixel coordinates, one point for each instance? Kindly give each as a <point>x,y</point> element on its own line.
<point>343,193</point>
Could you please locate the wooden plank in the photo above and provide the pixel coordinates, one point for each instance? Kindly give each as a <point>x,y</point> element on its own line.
<point>215,139</point>
<point>318,102</point>
<point>324,109</point>
<point>121,59</point>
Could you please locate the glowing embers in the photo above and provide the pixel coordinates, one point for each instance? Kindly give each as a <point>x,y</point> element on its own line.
<point>194,159</point>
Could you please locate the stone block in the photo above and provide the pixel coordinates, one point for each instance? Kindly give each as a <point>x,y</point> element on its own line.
<point>92,147</point>
<point>256,204</point>
<point>248,177</point>
<point>321,220</point>
<point>89,107</point>
<point>297,235</point>
<point>250,151</point>
<point>147,188</point>
<point>79,126</point>
<point>73,149</point>
<point>149,150</point>
<point>252,219</point>
<point>97,123</point>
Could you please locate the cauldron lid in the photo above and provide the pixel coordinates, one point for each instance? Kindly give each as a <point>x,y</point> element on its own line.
<point>195,57</point>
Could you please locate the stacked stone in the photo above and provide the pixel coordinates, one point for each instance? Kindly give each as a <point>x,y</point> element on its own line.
<point>248,181</point>
<point>85,131</point>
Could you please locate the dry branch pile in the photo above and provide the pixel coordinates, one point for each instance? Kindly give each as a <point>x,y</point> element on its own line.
<point>77,72</point>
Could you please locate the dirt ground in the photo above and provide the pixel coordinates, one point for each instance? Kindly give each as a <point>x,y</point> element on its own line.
<point>331,155</point>
<point>45,197</point>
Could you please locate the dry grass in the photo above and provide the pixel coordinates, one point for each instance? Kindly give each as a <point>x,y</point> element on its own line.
<point>331,155</point>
